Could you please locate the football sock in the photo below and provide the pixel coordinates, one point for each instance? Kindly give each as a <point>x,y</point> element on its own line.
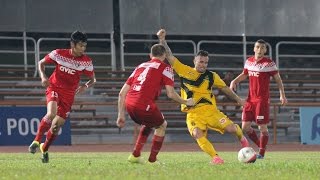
<point>157,142</point>
<point>253,136</point>
<point>44,126</point>
<point>264,137</point>
<point>49,140</point>
<point>206,146</point>
<point>239,132</point>
<point>141,140</point>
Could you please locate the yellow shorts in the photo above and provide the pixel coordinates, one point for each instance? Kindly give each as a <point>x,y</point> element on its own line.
<point>207,117</point>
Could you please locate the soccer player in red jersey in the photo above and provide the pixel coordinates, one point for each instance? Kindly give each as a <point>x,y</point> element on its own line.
<point>138,97</point>
<point>62,86</point>
<point>259,69</point>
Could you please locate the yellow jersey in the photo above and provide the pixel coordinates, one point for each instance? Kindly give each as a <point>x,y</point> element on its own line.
<point>197,85</point>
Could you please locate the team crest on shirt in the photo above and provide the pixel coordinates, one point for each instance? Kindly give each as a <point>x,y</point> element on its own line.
<point>193,123</point>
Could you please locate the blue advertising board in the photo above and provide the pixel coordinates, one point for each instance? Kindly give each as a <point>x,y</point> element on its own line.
<point>19,125</point>
<point>310,125</point>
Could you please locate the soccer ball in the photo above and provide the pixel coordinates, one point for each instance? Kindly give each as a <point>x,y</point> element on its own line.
<point>247,155</point>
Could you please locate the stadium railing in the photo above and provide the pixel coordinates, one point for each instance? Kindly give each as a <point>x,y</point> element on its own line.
<point>25,65</point>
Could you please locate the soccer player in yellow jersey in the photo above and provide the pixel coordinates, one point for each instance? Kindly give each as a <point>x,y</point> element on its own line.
<point>197,83</point>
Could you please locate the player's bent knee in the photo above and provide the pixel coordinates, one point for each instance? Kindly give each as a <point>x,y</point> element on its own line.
<point>231,128</point>
<point>263,128</point>
<point>51,116</point>
<point>163,126</point>
<point>197,133</point>
<point>265,133</point>
<point>55,129</point>
<point>246,128</point>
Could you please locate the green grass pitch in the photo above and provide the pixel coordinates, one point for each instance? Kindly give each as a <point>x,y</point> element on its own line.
<point>178,165</point>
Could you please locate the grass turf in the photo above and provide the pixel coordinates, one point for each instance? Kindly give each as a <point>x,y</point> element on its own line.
<point>178,165</point>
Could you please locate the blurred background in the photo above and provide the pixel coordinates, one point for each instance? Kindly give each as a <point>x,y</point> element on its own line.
<point>121,33</point>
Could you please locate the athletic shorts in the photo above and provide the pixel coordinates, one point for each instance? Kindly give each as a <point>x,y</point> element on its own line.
<point>256,111</point>
<point>207,117</point>
<point>151,117</point>
<point>64,100</point>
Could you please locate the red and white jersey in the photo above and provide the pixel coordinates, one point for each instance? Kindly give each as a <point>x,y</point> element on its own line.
<point>146,82</point>
<point>68,69</point>
<point>259,77</point>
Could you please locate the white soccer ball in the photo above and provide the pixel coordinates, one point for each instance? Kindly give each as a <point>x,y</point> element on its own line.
<point>247,155</point>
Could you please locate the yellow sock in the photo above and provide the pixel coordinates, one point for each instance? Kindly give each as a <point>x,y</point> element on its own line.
<point>206,146</point>
<point>239,132</point>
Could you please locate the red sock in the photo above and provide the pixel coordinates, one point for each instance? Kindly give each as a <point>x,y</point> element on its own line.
<point>253,136</point>
<point>44,126</point>
<point>264,137</point>
<point>49,140</point>
<point>141,140</point>
<point>157,142</point>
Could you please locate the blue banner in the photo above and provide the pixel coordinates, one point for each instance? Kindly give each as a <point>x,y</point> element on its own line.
<point>310,125</point>
<point>19,125</point>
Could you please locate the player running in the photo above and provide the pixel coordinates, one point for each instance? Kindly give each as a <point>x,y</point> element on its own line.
<point>62,86</point>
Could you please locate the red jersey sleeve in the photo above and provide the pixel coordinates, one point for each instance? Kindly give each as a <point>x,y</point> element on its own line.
<point>130,79</point>
<point>245,71</point>
<point>168,76</point>
<point>48,58</point>
<point>273,68</point>
<point>88,70</point>
<point>88,73</point>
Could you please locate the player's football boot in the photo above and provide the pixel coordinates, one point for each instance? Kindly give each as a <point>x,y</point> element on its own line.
<point>259,156</point>
<point>33,147</point>
<point>244,142</point>
<point>217,160</point>
<point>157,162</point>
<point>45,155</point>
<point>138,160</point>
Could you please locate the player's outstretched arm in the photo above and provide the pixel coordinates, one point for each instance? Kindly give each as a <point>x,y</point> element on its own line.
<point>172,94</point>
<point>233,84</point>
<point>278,80</point>
<point>162,40</point>
<point>121,105</point>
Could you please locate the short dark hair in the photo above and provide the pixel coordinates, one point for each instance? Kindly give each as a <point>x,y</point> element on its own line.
<point>261,41</point>
<point>203,53</point>
<point>78,36</point>
<point>158,50</point>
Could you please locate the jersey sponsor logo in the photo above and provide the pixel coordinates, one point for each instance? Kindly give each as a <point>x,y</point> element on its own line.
<point>253,73</point>
<point>67,70</point>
